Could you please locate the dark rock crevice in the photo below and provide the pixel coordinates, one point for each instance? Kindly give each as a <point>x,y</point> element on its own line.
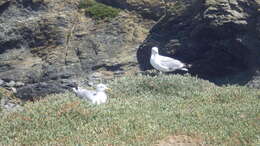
<point>4,6</point>
<point>32,5</point>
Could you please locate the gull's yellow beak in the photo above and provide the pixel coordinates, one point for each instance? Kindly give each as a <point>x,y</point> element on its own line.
<point>109,89</point>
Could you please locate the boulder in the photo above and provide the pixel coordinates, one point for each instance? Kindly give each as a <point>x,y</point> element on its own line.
<point>111,44</point>
<point>31,39</point>
<point>217,37</point>
<point>41,89</point>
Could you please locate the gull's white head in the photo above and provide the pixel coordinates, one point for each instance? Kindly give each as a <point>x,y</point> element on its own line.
<point>101,87</point>
<point>155,50</point>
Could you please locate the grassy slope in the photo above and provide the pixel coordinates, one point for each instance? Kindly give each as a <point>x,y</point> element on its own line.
<point>141,111</point>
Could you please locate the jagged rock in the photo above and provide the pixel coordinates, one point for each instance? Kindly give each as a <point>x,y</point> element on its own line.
<point>41,89</point>
<point>10,84</point>
<point>19,84</point>
<point>217,37</point>
<point>110,44</point>
<point>41,41</point>
<point>27,40</point>
<point>8,102</point>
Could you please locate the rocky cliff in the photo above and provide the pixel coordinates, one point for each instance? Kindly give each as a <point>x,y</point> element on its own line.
<point>218,38</point>
<point>45,44</point>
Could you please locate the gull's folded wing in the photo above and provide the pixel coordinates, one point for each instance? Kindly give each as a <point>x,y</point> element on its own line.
<point>170,62</point>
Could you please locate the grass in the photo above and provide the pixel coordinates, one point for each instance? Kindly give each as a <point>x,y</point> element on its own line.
<point>141,111</point>
<point>98,10</point>
<point>1,97</point>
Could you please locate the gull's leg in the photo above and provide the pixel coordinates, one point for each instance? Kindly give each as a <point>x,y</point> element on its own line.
<point>184,69</point>
<point>98,102</point>
<point>94,101</point>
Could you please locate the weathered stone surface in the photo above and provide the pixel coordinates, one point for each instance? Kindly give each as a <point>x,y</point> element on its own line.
<point>41,89</point>
<point>30,39</point>
<point>110,44</point>
<point>2,2</point>
<point>46,41</point>
<point>217,37</point>
<point>10,84</point>
<point>43,43</point>
<point>8,102</point>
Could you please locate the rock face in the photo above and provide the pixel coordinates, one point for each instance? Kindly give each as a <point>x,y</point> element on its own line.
<point>49,41</point>
<point>32,41</point>
<point>8,102</point>
<point>217,37</point>
<point>152,9</point>
<point>44,44</point>
<point>41,89</point>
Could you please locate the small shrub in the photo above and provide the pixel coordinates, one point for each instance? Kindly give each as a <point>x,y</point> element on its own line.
<point>98,10</point>
<point>1,96</point>
<point>83,4</point>
<point>177,8</point>
<point>101,11</point>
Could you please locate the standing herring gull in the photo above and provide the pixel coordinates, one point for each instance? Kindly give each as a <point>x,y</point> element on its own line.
<point>96,97</point>
<point>165,64</point>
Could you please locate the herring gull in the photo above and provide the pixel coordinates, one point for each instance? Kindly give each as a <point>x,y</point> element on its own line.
<point>165,64</point>
<point>95,97</point>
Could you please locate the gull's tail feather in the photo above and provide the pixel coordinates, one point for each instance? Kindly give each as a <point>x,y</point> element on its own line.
<point>184,69</point>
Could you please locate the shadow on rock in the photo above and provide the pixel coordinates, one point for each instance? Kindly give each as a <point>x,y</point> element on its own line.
<point>220,46</point>
<point>38,90</point>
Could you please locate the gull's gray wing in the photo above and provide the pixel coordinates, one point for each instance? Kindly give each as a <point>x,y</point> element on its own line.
<point>89,94</point>
<point>170,63</point>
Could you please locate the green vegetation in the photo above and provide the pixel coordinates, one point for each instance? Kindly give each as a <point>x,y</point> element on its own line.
<point>86,3</point>
<point>1,97</point>
<point>98,10</point>
<point>177,8</point>
<point>141,111</point>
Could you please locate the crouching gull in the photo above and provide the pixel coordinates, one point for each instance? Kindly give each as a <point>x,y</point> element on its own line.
<point>165,64</point>
<point>95,97</point>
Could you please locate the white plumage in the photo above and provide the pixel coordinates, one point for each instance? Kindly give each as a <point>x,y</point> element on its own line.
<point>95,97</point>
<point>165,64</point>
